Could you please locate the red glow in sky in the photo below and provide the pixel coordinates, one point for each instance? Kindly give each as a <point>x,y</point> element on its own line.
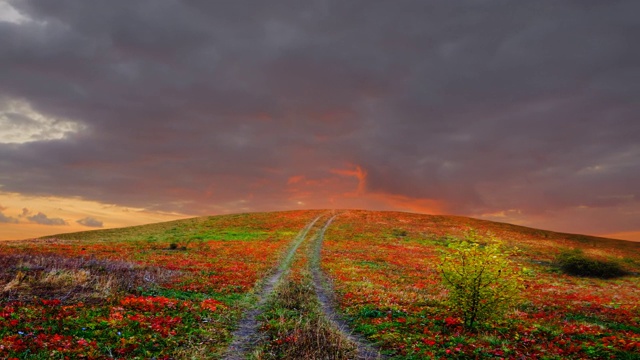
<point>136,112</point>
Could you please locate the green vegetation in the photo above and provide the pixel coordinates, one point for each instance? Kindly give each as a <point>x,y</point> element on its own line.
<point>483,283</point>
<point>399,232</point>
<point>576,263</point>
<point>295,327</point>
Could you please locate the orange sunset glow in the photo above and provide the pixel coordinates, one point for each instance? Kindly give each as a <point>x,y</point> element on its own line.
<point>132,114</point>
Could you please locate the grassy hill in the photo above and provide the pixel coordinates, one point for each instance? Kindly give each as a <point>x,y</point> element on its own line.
<point>296,284</point>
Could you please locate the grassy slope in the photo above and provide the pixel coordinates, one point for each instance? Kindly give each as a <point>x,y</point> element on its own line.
<point>124,293</point>
<point>226,255</point>
<point>196,228</point>
<point>385,270</point>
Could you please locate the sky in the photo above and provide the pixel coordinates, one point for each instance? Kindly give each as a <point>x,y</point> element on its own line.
<point>119,112</point>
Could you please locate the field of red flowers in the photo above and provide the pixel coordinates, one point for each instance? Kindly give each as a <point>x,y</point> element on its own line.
<point>384,267</point>
<point>178,289</point>
<point>169,290</point>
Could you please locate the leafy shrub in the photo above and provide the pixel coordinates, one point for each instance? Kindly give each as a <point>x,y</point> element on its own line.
<point>399,232</point>
<point>483,283</point>
<point>576,263</point>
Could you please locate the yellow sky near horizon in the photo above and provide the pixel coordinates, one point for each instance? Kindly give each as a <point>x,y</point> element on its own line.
<point>627,235</point>
<point>70,210</point>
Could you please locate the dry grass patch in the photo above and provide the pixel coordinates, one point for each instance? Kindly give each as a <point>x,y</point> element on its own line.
<point>71,279</point>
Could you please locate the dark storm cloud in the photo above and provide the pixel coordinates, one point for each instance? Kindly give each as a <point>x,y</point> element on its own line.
<point>90,222</point>
<point>43,219</point>
<point>198,106</point>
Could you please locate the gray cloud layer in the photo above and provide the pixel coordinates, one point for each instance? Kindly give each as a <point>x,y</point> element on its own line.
<point>6,219</point>
<point>43,219</point>
<point>90,222</point>
<point>200,106</point>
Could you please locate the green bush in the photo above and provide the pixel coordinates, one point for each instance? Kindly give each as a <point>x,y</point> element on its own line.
<point>576,263</point>
<point>483,282</point>
<point>399,232</point>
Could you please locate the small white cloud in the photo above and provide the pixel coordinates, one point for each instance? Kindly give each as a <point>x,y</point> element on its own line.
<point>90,222</point>
<point>43,219</point>
<point>20,123</point>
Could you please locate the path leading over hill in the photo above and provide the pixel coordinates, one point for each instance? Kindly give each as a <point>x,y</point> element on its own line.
<point>248,336</point>
<point>247,332</point>
<point>182,289</point>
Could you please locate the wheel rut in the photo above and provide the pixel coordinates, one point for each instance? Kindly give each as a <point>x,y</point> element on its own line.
<point>326,298</point>
<point>246,334</point>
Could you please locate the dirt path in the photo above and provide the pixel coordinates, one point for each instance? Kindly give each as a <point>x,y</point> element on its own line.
<point>247,333</point>
<point>325,295</point>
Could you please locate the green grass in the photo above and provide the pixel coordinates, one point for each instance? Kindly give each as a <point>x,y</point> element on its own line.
<point>294,326</point>
<point>611,325</point>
